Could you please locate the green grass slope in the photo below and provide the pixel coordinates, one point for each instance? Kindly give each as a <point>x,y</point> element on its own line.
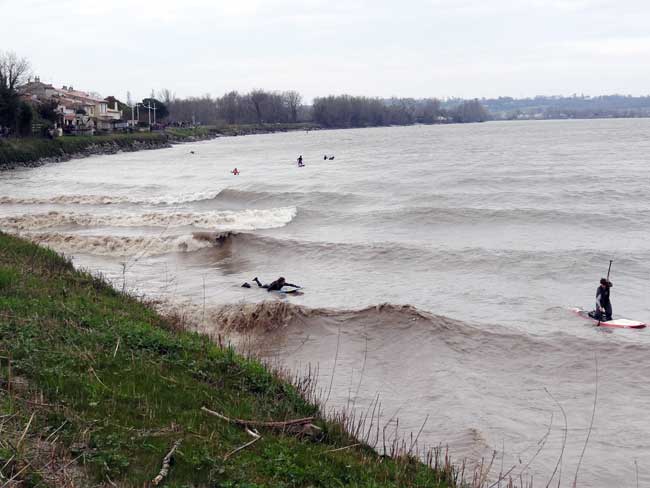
<point>31,149</point>
<point>96,387</point>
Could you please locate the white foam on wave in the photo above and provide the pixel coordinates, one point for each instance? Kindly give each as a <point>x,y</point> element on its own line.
<point>249,219</point>
<point>189,198</point>
<point>66,199</point>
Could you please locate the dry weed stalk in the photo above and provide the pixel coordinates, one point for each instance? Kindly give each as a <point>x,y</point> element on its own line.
<point>564,439</point>
<point>303,426</point>
<point>591,424</point>
<point>256,437</point>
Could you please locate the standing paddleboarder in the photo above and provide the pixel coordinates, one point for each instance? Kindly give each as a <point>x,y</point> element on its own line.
<point>603,303</point>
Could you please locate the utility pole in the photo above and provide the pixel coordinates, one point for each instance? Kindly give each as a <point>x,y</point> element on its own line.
<point>135,108</point>
<point>149,107</point>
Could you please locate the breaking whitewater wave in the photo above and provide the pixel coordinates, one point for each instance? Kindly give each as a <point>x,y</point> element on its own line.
<point>67,199</point>
<point>116,245</point>
<point>249,219</point>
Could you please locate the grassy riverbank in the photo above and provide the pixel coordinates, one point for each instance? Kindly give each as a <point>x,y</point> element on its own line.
<point>96,387</point>
<point>29,150</point>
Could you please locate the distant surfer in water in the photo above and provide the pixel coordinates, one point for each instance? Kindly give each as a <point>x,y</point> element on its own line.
<point>300,163</point>
<point>275,285</point>
<point>603,304</point>
<point>235,171</point>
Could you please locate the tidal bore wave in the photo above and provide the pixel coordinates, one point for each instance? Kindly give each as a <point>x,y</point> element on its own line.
<point>118,245</point>
<point>249,219</point>
<point>227,195</point>
<point>413,326</point>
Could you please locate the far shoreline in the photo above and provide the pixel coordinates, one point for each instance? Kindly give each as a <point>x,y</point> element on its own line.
<point>33,152</point>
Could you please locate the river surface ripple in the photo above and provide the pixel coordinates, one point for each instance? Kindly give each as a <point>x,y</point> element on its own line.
<point>488,232</point>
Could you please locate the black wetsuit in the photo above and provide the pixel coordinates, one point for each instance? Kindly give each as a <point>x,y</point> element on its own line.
<point>602,299</point>
<point>275,285</point>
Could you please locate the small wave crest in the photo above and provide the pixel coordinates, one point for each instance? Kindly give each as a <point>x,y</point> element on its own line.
<point>473,215</point>
<point>504,261</point>
<point>232,195</point>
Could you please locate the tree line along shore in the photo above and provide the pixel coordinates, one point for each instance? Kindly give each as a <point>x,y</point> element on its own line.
<point>97,389</point>
<point>31,107</point>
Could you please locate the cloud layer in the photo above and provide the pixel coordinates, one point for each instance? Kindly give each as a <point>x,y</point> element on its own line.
<point>466,48</point>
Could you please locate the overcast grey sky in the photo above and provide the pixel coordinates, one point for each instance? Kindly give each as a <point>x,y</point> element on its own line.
<point>418,48</point>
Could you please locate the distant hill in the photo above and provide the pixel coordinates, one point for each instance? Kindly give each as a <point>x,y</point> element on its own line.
<point>559,107</point>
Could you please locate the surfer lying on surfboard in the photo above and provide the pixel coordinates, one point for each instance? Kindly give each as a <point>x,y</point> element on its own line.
<point>275,285</point>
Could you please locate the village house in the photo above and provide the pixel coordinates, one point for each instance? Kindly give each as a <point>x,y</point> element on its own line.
<point>105,118</point>
<point>36,90</point>
<point>80,112</point>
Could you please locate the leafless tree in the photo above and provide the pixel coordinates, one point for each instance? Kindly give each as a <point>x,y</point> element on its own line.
<point>258,98</point>
<point>14,71</point>
<point>293,99</point>
<point>230,107</point>
<point>166,96</point>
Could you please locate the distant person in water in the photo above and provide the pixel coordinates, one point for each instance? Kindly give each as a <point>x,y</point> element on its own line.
<point>300,164</point>
<point>331,158</point>
<point>276,285</point>
<point>603,303</point>
<point>235,171</point>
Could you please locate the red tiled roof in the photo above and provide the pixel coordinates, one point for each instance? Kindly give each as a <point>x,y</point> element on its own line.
<point>86,97</point>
